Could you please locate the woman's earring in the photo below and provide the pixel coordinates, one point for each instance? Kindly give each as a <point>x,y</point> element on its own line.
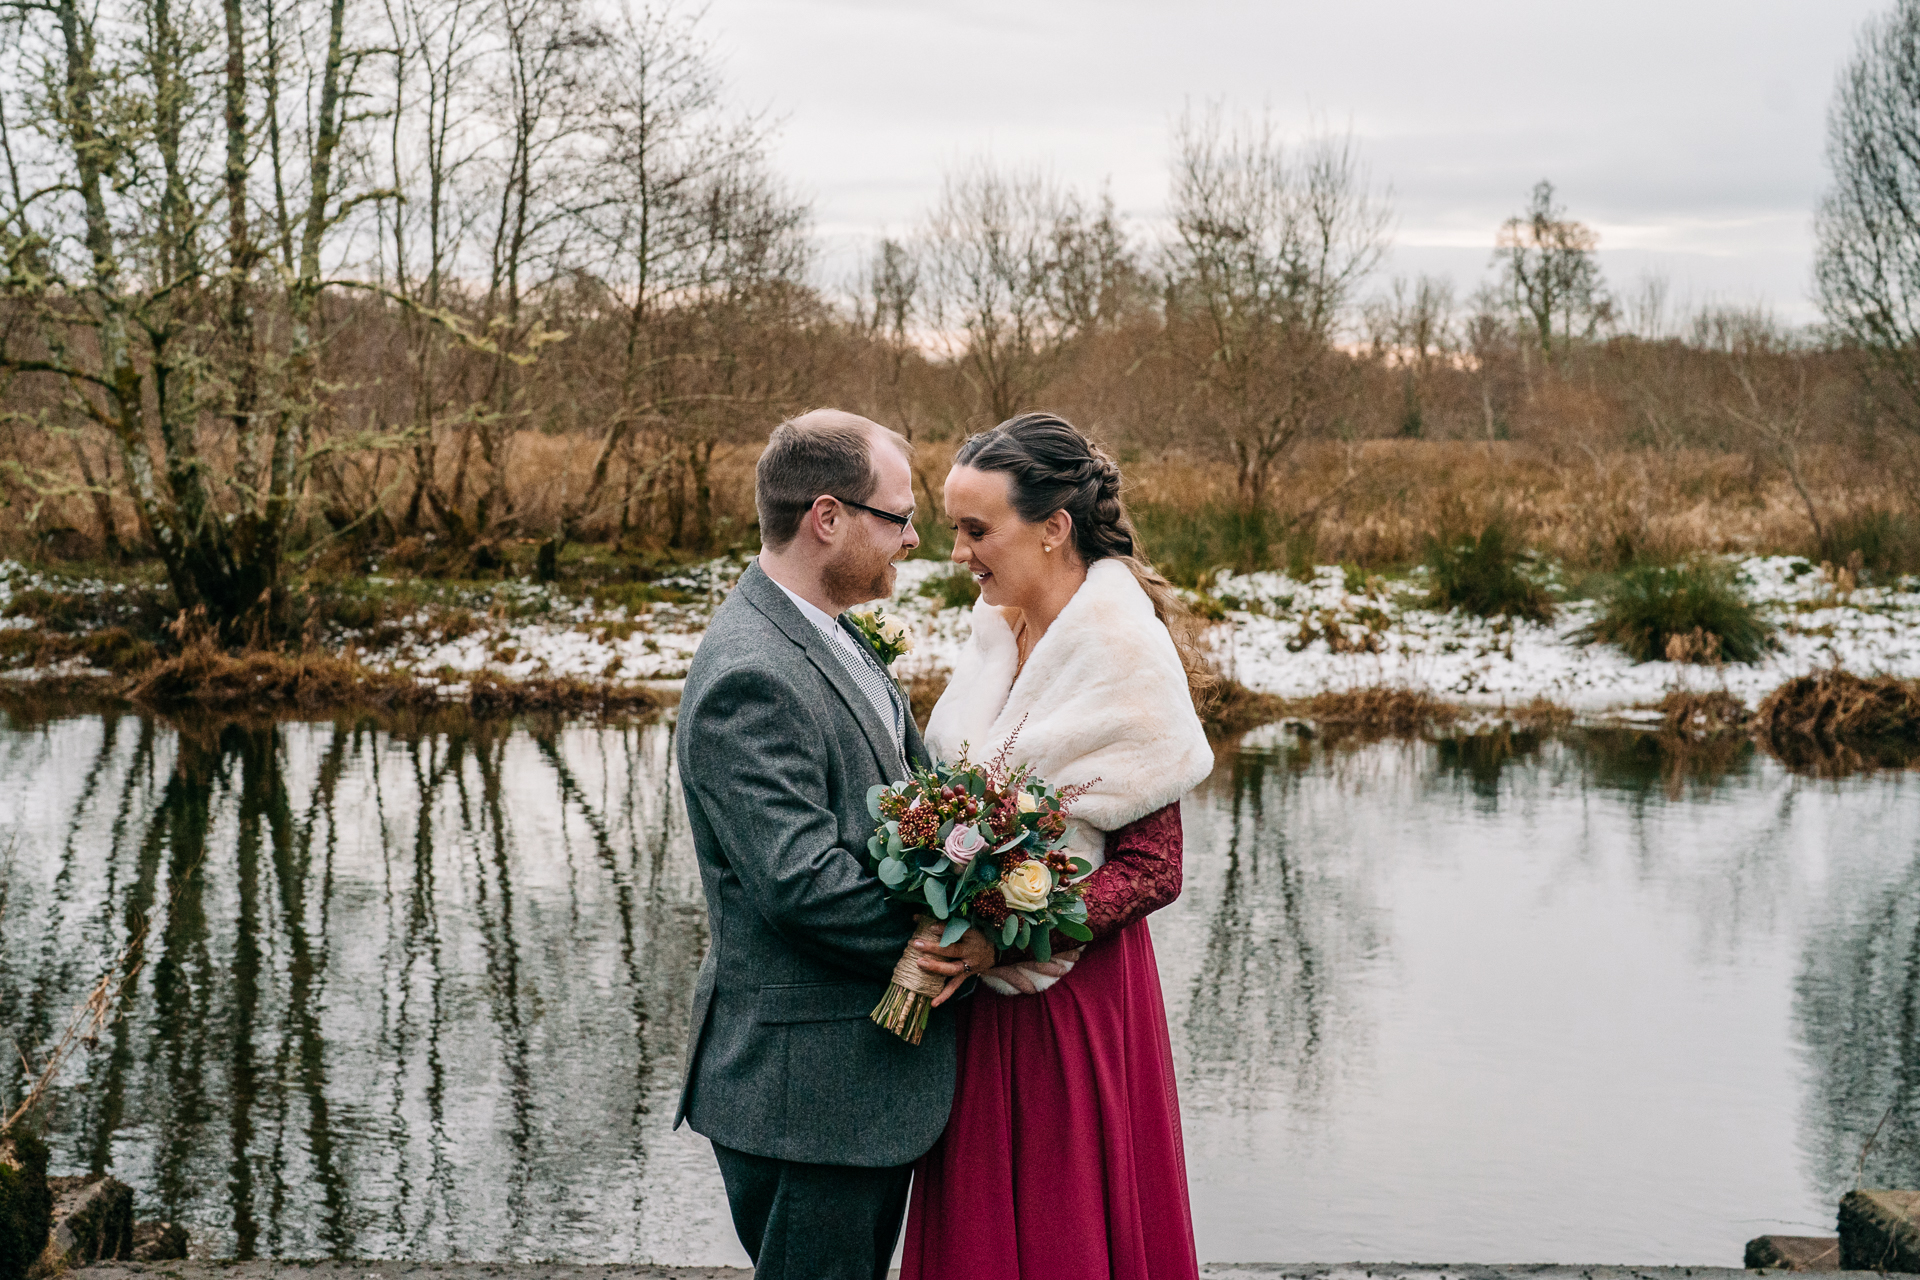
<point>1046,546</point>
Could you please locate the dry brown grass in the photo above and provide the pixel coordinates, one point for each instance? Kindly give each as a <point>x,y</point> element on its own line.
<point>1839,704</point>
<point>1371,504</point>
<point>1234,709</point>
<point>1703,715</point>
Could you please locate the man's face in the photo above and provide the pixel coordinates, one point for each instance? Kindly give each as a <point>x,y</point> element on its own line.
<point>862,569</point>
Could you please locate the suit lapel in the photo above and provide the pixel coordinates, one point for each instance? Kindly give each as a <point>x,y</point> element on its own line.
<point>766,596</point>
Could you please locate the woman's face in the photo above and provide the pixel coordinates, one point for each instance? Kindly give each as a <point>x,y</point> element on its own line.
<point>1004,553</point>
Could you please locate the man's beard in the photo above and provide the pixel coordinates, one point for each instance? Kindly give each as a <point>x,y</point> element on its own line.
<point>857,575</point>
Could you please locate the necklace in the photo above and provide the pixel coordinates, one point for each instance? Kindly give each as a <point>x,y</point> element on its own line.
<point>1022,646</point>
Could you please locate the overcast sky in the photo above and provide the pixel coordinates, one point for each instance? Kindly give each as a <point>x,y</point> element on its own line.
<point>1688,132</point>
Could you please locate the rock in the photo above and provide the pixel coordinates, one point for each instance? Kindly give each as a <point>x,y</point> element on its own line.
<point>1794,1253</point>
<point>159,1242</point>
<point>92,1222</point>
<point>1880,1231</point>
<point>26,1205</point>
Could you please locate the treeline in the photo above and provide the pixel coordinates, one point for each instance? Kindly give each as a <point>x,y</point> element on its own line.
<point>304,282</point>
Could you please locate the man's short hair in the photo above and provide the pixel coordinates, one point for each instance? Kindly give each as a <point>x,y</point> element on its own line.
<point>824,451</point>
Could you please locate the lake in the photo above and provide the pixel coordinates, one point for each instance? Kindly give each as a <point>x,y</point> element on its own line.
<point>420,990</point>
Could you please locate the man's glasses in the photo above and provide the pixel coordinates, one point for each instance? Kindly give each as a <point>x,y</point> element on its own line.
<point>891,517</point>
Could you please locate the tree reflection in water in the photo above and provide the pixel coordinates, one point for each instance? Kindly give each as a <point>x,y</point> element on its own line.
<point>1276,941</point>
<point>1858,1009</point>
<point>407,990</point>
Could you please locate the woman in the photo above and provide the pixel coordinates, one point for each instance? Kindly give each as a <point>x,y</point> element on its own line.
<point>1063,1157</point>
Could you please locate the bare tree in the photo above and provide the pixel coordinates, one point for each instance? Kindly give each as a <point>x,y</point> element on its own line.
<point>1016,270</point>
<point>1267,254</point>
<point>698,255</point>
<point>1548,263</point>
<point>1867,269</point>
<point>143,309</point>
<point>1410,327</point>
<point>1764,393</point>
<point>886,311</point>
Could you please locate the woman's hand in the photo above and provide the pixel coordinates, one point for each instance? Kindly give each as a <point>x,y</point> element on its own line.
<point>971,955</point>
<point>1031,977</point>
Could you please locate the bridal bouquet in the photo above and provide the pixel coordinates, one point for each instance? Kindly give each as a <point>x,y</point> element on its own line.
<point>976,845</point>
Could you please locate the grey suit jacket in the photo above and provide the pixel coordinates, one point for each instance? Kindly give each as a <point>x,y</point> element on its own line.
<point>777,748</point>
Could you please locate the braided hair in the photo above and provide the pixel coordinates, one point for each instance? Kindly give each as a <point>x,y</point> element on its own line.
<point>1053,467</point>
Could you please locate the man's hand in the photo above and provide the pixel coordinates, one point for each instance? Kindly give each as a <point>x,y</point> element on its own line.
<point>971,956</point>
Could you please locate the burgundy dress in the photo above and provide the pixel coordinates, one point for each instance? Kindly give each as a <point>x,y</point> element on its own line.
<point>1063,1160</point>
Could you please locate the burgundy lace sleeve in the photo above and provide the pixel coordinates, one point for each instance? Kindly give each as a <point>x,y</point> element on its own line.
<point>1141,873</point>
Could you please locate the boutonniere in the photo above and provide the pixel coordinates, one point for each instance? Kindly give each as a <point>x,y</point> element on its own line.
<point>889,636</point>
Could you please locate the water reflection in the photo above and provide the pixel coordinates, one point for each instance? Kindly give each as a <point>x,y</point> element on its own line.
<point>419,990</point>
<point>1266,1005</point>
<point>405,992</point>
<point>1859,1016</point>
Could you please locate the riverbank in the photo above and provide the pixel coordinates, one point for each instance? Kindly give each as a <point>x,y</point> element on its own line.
<point>513,645</point>
<point>285,1270</point>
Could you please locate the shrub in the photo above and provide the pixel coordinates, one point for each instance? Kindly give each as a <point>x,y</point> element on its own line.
<point>1680,613</point>
<point>1486,574</point>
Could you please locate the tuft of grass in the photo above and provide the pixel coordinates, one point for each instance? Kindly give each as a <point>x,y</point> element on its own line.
<point>1485,573</point>
<point>1679,613</point>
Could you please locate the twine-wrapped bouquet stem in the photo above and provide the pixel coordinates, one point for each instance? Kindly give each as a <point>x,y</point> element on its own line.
<point>909,999</point>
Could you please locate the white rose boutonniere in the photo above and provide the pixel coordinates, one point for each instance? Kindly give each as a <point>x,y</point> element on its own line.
<point>889,636</point>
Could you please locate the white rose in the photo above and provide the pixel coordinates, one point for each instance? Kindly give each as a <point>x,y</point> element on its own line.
<point>896,633</point>
<point>1027,886</point>
<point>1027,803</point>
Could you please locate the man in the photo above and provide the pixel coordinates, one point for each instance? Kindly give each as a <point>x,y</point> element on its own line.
<point>787,719</point>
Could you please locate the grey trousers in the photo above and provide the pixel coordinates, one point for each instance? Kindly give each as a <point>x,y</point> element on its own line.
<point>814,1221</point>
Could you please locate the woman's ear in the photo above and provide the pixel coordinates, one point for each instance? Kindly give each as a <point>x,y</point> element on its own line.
<point>1056,531</point>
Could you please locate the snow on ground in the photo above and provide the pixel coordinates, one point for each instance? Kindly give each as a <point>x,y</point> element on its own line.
<point>1298,638</point>
<point>1336,631</point>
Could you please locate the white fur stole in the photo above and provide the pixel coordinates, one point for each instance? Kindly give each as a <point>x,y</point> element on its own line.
<point>1103,696</point>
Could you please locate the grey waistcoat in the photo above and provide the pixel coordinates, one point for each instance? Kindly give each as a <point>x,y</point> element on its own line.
<point>777,748</point>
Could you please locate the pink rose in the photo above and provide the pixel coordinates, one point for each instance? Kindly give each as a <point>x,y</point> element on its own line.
<point>963,842</point>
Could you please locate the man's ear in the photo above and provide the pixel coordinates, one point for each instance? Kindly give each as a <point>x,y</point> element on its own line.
<point>824,517</point>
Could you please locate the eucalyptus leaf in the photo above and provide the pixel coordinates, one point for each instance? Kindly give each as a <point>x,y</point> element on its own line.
<point>951,934</point>
<point>874,793</point>
<point>1008,930</point>
<point>937,897</point>
<point>893,872</point>
<point>1075,930</point>
<point>1026,932</point>
<point>976,785</point>
<point>1043,945</point>
<point>894,847</point>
